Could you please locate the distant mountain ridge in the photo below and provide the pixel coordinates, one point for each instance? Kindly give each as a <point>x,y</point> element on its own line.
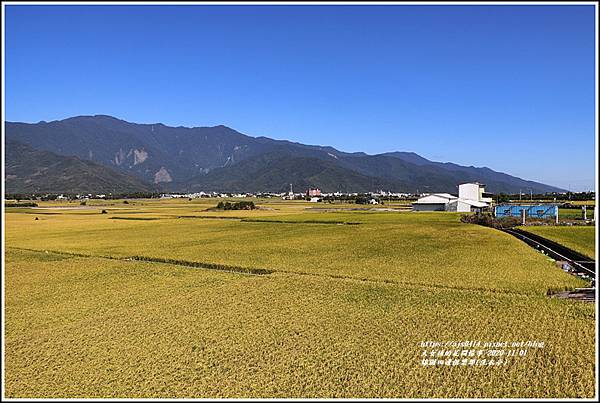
<point>222,159</point>
<point>33,171</point>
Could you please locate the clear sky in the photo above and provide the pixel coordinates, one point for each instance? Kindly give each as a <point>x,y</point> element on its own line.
<point>508,87</point>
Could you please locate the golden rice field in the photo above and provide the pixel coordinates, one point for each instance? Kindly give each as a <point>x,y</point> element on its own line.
<point>348,297</point>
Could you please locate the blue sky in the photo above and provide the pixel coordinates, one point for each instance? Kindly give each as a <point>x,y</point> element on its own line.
<point>508,87</point>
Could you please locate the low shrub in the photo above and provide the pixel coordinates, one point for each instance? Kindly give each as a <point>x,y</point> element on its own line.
<point>242,205</point>
<point>20,205</point>
<point>488,220</point>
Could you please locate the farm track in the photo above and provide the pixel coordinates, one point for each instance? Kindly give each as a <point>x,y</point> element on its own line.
<point>301,222</point>
<point>265,272</point>
<point>134,218</point>
<point>241,219</point>
<point>258,220</point>
<point>176,262</point>
<point>208,217</point>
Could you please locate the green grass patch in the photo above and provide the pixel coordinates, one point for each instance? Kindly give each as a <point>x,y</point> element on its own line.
<point>580,238</point>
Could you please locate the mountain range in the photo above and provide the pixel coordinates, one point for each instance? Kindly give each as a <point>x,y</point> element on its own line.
<point>33,171</point>
<point>104,154</point>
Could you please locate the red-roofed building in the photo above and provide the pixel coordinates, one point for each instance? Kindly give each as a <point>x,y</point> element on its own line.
<point>313,192</point>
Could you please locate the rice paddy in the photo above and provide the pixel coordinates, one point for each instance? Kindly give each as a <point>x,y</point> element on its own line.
<point>174,300</point>
<point>581,239</point>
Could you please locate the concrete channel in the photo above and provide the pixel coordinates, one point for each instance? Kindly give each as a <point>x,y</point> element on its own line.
<point>572,261</point>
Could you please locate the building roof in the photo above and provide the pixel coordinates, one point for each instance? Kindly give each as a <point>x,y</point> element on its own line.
<point>437,198</point>
<point>446,195</point>
<point>473,203</point>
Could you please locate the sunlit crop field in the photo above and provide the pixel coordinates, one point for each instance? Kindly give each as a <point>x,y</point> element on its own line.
<point>574,214</point>
<point>582,202</point>
<point>579,238</point>
<point>118,304</point>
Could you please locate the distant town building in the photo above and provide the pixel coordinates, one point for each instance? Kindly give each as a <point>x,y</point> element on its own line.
<point>313,192</point>
<point>290,194</point>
